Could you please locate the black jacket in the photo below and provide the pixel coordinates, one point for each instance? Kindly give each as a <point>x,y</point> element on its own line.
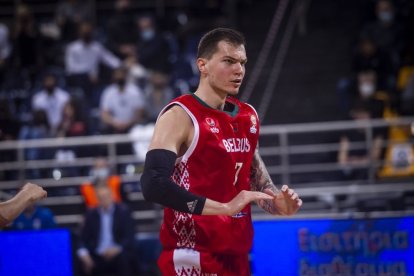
<point>122,228</point>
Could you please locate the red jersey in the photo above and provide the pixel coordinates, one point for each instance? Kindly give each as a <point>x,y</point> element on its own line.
<point>216,166</point>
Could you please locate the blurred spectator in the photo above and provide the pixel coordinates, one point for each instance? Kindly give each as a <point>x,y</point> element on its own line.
<point>9,130</point>
<point>407,97</point>
<point>365,90</point>
<point>35,217</point>
<point>154,51</point>
<point>120,27</point>
<point>38,128</point>
<point>122,104</point>
<point>354,159</point>
<point>9,126</point>
<point>136,72</point>
<point>69,14</point>
<point>101,175</point>
<point>368,57</point>
<point>72,123</point>
<point>385,31</point>
<point>52,100</point>
<point>107,237</point>
<point>83,58</point>
<point>26,54</point>
<point>5,50</point>
<point>158,94</point>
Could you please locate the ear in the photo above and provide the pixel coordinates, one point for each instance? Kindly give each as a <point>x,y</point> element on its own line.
<point>202,65</point>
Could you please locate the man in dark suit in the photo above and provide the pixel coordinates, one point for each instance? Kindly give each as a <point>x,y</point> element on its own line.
<point>107,237</point>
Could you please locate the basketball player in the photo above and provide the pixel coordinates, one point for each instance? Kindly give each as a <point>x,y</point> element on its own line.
<point>11,209</point>
<point>204,167</point>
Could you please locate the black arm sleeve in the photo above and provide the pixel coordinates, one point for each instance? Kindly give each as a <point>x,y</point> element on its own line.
<point>158,187</point>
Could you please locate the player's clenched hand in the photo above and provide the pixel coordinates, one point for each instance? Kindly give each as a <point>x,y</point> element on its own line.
<point>285,202</point>
<point>33,192</point>
<point>88,263</point>
<point>242,199</point>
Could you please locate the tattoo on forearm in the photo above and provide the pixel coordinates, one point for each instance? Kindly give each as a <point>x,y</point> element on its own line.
<point>260,180</point>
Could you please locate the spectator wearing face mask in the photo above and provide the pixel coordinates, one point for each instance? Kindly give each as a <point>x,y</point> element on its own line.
<point>52,100</point>
<point>364,89</point>
<point>368,56</point>
<point>82,60</point>
<point>122,104</point>
<point>153,49</point>
<point>367,92</point>
<point>353,162</point>
<point>385,31</point>
<point>101,176</point>
<point>120,26</point>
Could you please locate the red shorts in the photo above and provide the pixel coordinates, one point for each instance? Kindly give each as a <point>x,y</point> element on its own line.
<point>189,262</point>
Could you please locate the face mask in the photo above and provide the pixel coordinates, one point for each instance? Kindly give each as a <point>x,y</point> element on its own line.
<point>147,34</point>
<point>366,89</point>
<point>121,82</point>
<point>386,16</point>
<point>100,173</point>
<point>87,38</point>
<point>50,89</point>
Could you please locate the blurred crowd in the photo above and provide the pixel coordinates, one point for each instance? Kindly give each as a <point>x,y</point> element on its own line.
<point>83,71</point>
<point>380,84</point>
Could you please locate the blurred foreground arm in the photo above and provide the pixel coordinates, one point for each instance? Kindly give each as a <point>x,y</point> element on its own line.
<point>10,209</point>
<point>284,202</point>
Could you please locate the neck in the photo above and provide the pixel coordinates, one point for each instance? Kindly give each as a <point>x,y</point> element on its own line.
<point>211,97</point>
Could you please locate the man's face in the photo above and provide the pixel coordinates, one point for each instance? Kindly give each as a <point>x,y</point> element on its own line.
<point>49,83</point>
<point>225,70</point>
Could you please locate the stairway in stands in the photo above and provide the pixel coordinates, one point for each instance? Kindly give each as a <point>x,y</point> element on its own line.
<point>315,61</point>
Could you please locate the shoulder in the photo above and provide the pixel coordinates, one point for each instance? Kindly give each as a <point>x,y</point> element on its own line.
<point>62,93</point>
<point>246,107</point>
<point>39,97</point>
<point>174,112</point>
<point>97,46</point>
<point>109,91</point>
<point>74,45</point>
<point>133,89</point>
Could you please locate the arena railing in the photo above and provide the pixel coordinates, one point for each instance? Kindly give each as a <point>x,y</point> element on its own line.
<point>286,156</point>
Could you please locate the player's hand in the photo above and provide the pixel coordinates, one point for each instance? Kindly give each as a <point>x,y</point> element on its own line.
<point>111,252</point>
<point>33,192</point>
<point>242,199</point>
<point>286,202</point>
<point>119,126</point>
<point>88,263</point>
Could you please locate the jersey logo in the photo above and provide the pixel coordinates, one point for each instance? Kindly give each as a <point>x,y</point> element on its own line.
<point>253,128</point>
<point>212,125</point>
<point>191,205</point>
<point>240,215</point>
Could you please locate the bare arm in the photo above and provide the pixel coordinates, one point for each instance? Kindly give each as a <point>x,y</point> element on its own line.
<point>283,202</point>
<point>377,148</point>
<point>174,132</point>
<point>29,194</point>
<point>343,153</point>
<point>106,117</point>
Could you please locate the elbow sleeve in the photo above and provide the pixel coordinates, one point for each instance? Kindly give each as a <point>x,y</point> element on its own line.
<point>158,187</point>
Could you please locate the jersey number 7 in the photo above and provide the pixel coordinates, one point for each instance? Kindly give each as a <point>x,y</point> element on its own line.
<point>239,165</point>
